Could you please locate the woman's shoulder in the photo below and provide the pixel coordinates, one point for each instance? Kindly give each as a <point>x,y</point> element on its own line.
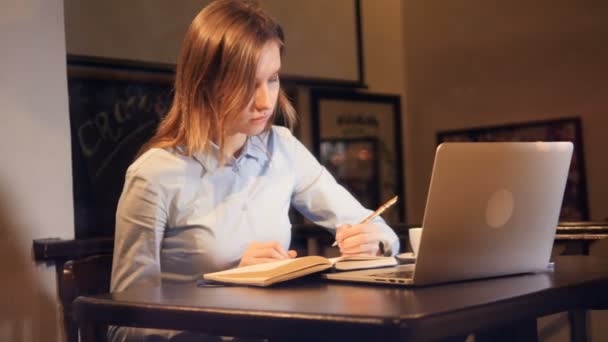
<point>277,139</point>
<point>157,164</point>
<point>281,132</point>
<point>280,136</point>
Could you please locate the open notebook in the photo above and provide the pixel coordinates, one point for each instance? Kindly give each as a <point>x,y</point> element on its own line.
<point>278,271</point>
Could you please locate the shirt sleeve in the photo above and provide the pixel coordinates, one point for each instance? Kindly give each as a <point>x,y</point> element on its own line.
<point>322,200</point>
<point>141,217</point>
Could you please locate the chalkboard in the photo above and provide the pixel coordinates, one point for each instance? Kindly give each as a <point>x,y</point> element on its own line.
<point>114,109</point>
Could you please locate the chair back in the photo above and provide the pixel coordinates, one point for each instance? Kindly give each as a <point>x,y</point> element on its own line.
<point>86,276</point>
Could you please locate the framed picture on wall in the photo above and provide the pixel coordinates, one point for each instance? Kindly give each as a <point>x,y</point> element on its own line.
<point>352,130</point>
<point>574,207</point>
<point>355,164</point>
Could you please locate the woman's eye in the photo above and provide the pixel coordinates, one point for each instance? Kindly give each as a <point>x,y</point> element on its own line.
<point>273,79</point>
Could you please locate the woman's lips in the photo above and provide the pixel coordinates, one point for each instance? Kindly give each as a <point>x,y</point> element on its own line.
<point>260,119</point>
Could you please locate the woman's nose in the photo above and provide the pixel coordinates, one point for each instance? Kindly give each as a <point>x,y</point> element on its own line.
<point>262,98</point>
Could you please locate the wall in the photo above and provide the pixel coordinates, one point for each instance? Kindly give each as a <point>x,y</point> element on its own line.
<point>35,172</point>
<point>478,63</point>
<point>152,30</point>
<point>383,51</point>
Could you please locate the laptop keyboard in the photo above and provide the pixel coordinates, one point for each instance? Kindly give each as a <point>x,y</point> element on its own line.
<point>398,274</point>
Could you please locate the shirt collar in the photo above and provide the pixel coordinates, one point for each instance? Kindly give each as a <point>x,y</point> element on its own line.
<point>255,147</point>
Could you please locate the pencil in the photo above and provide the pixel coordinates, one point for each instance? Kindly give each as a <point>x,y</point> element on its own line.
<point>376,213</point>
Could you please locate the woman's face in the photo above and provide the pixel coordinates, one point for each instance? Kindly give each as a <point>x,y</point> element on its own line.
<point>256,114</point>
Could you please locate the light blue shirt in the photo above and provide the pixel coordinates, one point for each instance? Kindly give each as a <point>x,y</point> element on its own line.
<point>179,217</point>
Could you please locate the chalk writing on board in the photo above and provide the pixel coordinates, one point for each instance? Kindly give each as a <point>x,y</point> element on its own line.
<point>110,120</point>
<point>115,127</point>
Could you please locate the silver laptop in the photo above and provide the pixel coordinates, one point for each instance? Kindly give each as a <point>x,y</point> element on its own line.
<point>492,210</point>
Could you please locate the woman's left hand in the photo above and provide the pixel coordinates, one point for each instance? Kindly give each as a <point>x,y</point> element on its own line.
<point>359,239</point>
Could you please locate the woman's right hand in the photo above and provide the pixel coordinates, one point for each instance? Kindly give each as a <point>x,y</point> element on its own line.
<point>263,252</point>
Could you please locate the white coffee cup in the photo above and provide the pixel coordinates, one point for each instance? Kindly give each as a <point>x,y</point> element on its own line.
<point>414,234</point>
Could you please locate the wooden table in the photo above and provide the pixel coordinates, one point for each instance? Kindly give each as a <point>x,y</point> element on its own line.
<point>314,309</point>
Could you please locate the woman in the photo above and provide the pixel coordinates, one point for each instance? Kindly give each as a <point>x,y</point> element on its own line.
<point>212,189</point>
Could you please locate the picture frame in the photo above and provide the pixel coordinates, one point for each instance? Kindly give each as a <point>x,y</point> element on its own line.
<point>575,202</point>
<point>355,164</point>
<point>350,118</point>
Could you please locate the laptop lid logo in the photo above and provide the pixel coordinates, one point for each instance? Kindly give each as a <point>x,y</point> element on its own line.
<point>499,208</point>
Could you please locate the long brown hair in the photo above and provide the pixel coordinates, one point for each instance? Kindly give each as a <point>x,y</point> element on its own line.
<point>215,75</point>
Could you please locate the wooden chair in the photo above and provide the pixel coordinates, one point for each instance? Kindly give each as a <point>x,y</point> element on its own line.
<point>86,276</point>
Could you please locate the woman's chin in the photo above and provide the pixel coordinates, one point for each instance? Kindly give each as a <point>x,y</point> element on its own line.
<point>257,127</point>
<point>255,130</point>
